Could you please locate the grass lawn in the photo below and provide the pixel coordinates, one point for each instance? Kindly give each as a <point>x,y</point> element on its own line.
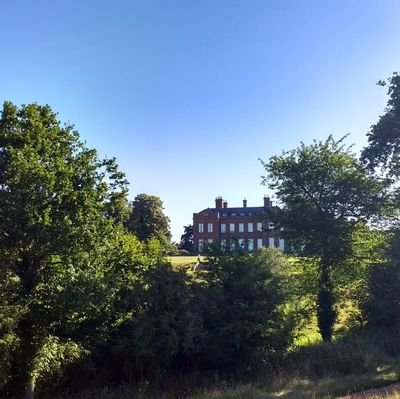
<point>184,260</point>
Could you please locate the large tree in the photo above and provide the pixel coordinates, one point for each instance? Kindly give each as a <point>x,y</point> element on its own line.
<point>147,219</point>
<point>60,207</point>
<point>325,192</point>
<point>187,238</point>
<point>383,148</point>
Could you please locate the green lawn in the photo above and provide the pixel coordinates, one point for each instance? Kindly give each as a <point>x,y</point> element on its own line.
<point>184,260</point>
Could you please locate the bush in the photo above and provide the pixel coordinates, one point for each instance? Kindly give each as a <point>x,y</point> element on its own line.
<point>382,305</point>
<point>164,330</point>
<point>242,310</point>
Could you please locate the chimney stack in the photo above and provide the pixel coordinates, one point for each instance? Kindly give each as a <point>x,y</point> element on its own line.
<point>225,203</point>
<point>267,202</point>
<point>218,202</point>
<point>244,203</point>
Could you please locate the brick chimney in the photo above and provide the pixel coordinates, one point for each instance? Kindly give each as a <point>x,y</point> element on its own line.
<point>225,203</point>
<point>244,203</point>
<point>267,202</point>
<point>218,202</point>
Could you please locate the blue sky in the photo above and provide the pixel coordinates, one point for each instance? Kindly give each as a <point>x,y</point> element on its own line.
<point>188,95</point>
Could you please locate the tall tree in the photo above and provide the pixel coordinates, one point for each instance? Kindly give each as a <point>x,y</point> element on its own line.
<point>187,238</point>
<point>325,192</point>
<point>59,210</point>
<point>147,219</point>
<point>384,137</point>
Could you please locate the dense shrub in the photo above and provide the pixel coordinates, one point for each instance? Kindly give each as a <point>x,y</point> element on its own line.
<point>164,328</point>
<point>382,305</point>
<point>242,309</point>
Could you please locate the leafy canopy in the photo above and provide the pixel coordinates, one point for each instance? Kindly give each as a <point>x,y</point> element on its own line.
<point>147,219</point>
<point>325,193</point>
<point>384,137</point>
<point>60,208</point>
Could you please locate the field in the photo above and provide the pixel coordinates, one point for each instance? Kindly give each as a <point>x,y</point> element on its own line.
<point>184,260</point>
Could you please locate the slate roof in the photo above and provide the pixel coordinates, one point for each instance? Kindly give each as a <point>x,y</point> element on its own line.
<point>254,210</point>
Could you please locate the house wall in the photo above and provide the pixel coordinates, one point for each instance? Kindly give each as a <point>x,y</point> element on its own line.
<point>222,215</point>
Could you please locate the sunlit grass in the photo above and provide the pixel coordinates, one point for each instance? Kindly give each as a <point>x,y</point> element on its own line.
<point>184,260</point>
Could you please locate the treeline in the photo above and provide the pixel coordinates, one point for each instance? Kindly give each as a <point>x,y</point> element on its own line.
<point>88,297</point>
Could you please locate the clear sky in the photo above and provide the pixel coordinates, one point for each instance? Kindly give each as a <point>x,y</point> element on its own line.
<point>189,94</point>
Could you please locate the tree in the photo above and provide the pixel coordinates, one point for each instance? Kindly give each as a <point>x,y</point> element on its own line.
<point>60,207</point>
<point>242,310</point>
<point>187,238</point>
<point>325,192</point>
<point>384,137</point>
<point>166,329</point>
<point>147,219</point>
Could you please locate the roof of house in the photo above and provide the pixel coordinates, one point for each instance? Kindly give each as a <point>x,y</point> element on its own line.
<point>240,211</point>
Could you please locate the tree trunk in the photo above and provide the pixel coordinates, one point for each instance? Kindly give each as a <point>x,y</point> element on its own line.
<point>325,311</point>
<point>30,389</point>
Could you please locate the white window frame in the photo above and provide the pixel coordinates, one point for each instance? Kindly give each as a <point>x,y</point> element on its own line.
<point>241,243</point>
<point>250,227</point>
<point>259,243</point>
<point>271,242</point>
<point>250,244</point>
<point>259,227</point>
<point>200,244</point>
<point>241,227</point>
<point>223,228</point>
<point>201,227</point>
<point>210,227</point>
<point>231,227</point>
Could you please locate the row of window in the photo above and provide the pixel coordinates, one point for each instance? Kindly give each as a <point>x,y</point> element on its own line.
<point>241,243</point>
<point>232,227</point>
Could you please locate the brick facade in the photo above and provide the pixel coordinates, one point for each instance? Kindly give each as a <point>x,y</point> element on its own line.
<point>244,226</point>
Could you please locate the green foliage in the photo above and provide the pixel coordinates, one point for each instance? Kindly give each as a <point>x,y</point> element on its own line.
<point>243,317</point>
<point>165,328</point>
<point>187,238</point>
<point>59,210</point>
<point>384,139</point>
<point>380,304</point>
<point>325,193</point>
<point>147,220</point>
<point>381,307</point>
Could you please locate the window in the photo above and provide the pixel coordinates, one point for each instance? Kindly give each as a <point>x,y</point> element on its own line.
<point>201,228</point>
<point>201,245</point>
<point>259,227</point>
<point>242,214</point>
<point>241,227</point>
<point>282,244</point>
<point>259,243</point>
<point>241,243</point>
<point>271,243</point>
<point>223,244</point>
<point>224,214</point>
<point>232,227</point>
<point>270,225</point>
<point>210,241</point>
<point>250,244</point>
<point>250,227</point>
<point>223,228</point>
<point>233,214</point>
<point>233,245</point>
<point>210,227</point>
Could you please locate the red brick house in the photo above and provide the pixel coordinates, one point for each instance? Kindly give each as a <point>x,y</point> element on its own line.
<point>246,227</point>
